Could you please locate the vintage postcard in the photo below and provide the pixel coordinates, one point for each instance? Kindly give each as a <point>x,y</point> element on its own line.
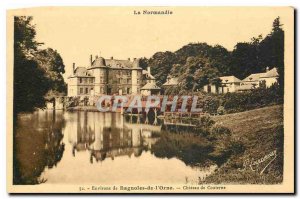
<point>150,100</point>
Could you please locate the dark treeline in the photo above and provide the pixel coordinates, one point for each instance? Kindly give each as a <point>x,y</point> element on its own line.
<point>197,64</point>
<point>37,72</point>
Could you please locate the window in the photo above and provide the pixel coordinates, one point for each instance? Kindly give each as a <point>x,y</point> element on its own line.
<point>120,81</point>
<point>86,90</point>
<point>81,91</point>
<point>128,81</point>
<point>80,80</point>
<point>101,90</point>
<point>91,80</point>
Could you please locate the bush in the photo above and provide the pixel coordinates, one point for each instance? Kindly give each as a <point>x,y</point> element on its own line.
<point>211,105</point>
<point>236,147</point>
<point>220,131</point>
<point>203,126</point>
<point>237,102</point>
<point>221,110</point>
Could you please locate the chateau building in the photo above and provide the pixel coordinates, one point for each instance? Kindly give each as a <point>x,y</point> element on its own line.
<point>111,76</point>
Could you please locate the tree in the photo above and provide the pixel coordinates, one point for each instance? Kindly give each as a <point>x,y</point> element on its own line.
<point>176,64</point>
<point>161,63</point>
<point>36,71</point>
<point>272,51</point>
<point>245,58</point>
<point>199,72</point>
<point>260,53</point>
<point>51,62</point>
<point>143,63</point>
<point>197,64</point>
<point>30,83</point>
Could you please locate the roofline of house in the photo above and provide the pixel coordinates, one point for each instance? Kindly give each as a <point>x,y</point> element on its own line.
<point>115,68</point>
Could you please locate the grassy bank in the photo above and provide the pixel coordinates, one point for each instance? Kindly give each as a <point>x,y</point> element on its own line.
<point>261,132</point>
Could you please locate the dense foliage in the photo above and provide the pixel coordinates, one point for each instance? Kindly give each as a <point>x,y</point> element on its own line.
<point>202,144</point>
<point>238,102</point>
<point>37,73</point>
<point>196,64</point>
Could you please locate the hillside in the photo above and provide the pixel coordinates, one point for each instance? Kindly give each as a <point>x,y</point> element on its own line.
<point>261,132</point>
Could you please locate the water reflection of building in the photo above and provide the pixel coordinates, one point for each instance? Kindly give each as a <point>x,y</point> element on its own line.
<point>107,135</point>
<point>81,135</point>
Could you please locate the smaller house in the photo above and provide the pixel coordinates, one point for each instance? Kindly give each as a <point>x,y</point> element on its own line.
<point>227,84</point>
<point>256,80</point>
<point>233,84</point>
<point>253,80</point>
<point>171,81</point>
<point>269,78</point>
<point>150,89</point>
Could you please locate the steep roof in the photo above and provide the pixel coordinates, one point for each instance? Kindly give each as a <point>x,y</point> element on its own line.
<point>150,86</point>
<point>98,62</point>
<point>271,73</point>
<point>81,72</point>
<point>229,79</point>
<point>173,81</point>
<point>253,77</point>
<point>115,63</point>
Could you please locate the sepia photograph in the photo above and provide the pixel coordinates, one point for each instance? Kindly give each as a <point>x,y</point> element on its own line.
<point>150,100</point>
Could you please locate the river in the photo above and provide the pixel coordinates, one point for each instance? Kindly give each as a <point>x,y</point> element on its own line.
<point>58,147</point>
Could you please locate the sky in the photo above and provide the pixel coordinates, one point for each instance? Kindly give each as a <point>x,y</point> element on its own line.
<point>76,33</point>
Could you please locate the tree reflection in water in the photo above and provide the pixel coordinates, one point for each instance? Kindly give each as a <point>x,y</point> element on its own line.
<point>95,137</point>
<point>189,148</point>
<point>37,144</point>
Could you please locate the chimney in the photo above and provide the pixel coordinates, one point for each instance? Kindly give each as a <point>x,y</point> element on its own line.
<point>128,59</point>
<point>134,59</point>
<point>267,69</point>
<point>148,69</point>
<point>96,56</point>
<point>111,57</point>
<point>73,68</point>
<point>91,59</point>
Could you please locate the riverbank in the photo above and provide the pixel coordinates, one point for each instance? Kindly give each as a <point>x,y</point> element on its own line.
<point>261,132</point>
